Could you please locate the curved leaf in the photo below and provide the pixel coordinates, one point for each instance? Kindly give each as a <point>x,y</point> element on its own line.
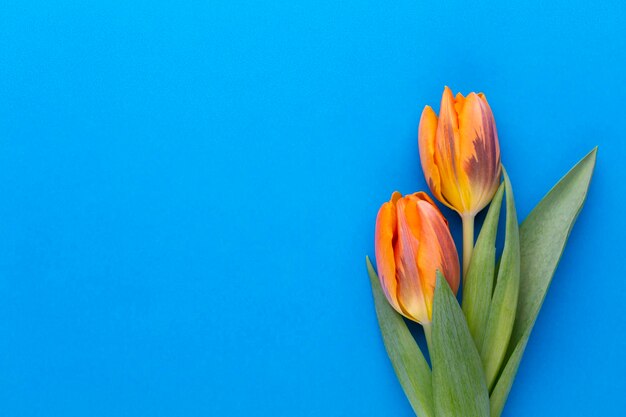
<point>504,302</point>
<point>478,284</point>
<point>542,239</point>
<point>406,357</point>
<point>459,387</point>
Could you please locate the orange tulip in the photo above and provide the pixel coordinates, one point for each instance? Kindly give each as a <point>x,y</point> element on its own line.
<point>460,157</point>
<point>460,153</point>
<point>413,242</point>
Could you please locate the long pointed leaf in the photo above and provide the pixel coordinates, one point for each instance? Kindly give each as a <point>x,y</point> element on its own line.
<point>406,357</point>
<point>505,382</point>
<point>478,284</point>
<point>542,239</point>
<point>504,302</point>
<point>459,388</point>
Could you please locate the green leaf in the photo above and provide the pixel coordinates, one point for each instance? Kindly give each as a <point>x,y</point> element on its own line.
<point>542,239</point>
<point>504,302</point>
<point>406,357</point>
<point>459,388</point>
<point>503,387</point>
<point>478,284</point>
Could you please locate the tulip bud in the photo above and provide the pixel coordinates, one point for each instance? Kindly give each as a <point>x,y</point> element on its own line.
<point>460,153</point>
<point>413,242</point>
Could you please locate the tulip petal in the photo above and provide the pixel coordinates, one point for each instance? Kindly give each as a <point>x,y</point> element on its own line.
<point>442,255</point>
<point>385,231</point>
<point>459,102</point>
<point>410,292</point>
<point>454,190</point>
<point>479,149</point>
<point>426,143</point>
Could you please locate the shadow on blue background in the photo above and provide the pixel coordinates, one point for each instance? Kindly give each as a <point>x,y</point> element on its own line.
<point>188,192</point>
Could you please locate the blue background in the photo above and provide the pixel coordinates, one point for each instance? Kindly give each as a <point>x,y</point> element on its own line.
<point>188,191</point>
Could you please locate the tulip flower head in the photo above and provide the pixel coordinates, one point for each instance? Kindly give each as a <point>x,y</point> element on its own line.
<point>460,153</point>
<point>413,242</point>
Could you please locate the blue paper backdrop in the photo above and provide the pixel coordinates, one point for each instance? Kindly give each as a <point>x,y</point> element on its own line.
<point>188,192</point>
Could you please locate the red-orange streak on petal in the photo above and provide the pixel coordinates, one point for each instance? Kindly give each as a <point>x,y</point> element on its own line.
<point>479,150</point>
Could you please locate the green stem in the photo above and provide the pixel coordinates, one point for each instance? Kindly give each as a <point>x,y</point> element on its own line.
<point>468,241</point>
<point>428,331</point>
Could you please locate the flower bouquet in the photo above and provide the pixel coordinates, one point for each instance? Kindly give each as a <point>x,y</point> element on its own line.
<point>475,348</point>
